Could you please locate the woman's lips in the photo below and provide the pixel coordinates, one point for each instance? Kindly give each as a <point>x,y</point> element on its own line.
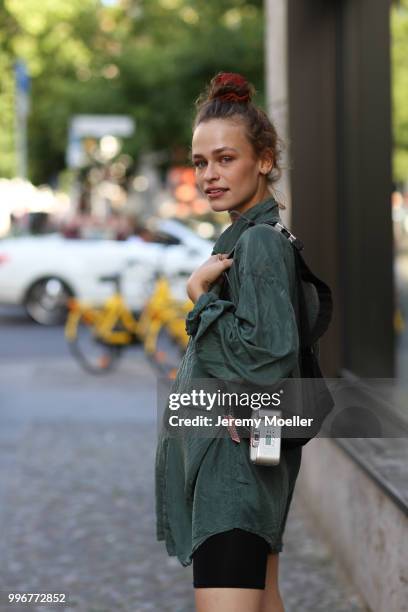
<point>216,193</point>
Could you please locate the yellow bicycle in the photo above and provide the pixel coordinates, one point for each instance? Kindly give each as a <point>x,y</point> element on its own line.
<point>163,311</point>
<point>97,336</point>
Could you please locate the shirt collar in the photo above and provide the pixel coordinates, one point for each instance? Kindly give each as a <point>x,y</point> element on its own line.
<point>266,209</point>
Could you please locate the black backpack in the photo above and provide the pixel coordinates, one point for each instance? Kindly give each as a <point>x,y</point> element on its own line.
<point>317,399</point>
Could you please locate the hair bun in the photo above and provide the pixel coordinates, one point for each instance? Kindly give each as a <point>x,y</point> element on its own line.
<point>230,87</point>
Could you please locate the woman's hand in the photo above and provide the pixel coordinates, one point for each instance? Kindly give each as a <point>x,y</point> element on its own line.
<point>207,274</point>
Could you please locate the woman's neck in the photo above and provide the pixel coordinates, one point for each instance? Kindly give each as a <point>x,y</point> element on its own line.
<point>234,213</point>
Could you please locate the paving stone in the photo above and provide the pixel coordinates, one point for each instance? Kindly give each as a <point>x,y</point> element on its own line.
<point>78,517</point>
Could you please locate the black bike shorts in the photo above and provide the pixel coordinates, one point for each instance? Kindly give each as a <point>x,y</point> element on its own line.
<point>231,559</point>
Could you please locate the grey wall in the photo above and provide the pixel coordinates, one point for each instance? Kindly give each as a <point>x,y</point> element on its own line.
<point>364,527</point>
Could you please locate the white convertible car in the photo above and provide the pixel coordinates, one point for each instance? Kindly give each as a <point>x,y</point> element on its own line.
<point>40,272</point>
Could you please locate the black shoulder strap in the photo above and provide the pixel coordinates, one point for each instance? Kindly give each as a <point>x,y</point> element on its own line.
<point>303,273</point>
<point>325,297</point>
<point>298,244</point>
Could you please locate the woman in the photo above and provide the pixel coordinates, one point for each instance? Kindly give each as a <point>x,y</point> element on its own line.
<point>215,508</point>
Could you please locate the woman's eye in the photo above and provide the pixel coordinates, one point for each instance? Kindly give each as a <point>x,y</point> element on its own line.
<point>199,164</point>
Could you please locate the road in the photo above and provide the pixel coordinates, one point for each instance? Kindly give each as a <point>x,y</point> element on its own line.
<point>76,489</point>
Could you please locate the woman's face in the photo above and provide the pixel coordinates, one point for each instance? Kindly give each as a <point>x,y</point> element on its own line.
<point>227,170</point>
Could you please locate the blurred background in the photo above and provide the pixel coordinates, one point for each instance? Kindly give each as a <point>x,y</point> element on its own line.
<point>101,224</point>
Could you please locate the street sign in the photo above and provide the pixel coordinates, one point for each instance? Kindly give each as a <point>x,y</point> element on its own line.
<point>102,125</point>
<point>94,126</point>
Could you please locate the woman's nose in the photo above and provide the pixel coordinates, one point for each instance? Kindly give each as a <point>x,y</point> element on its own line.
<point>210,171</point>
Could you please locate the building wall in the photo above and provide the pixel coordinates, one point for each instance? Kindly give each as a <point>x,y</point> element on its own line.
<point>364,528</point>
<point>328,82</point>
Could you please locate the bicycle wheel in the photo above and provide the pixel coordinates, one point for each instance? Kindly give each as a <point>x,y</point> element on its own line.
<point>92,353</point>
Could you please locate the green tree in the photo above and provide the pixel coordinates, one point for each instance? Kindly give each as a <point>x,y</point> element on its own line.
<point>148,59</point>
<point>145,58</point>
<point>399,54</point>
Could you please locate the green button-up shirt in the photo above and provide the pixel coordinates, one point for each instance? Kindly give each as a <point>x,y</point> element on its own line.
<point>209,485</point>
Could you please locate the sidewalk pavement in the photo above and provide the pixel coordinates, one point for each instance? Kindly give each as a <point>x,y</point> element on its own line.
<point>77,517</point>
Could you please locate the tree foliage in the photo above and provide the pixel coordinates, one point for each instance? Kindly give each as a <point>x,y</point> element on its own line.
<point>399,54</point>
<point>145,58</point>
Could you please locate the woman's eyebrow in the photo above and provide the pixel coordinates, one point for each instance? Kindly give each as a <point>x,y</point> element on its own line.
<point>219,150</point>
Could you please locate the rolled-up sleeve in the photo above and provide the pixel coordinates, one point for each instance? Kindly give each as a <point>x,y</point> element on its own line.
<point>256,338</point>
<point>206,310</point>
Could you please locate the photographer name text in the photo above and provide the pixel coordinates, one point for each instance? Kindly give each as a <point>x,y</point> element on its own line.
<point>273,421</point>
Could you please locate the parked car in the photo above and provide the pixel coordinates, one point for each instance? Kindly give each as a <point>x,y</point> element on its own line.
<point>41,272</point>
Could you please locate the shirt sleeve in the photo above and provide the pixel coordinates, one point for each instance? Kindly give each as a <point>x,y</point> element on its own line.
<point>206,310</point>
<point>255,337</point>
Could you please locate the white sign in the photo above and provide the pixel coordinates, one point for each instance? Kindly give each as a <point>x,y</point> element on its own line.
<point>84,126</point>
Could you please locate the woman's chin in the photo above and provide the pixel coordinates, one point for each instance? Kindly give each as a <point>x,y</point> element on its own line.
<point>221,206</point>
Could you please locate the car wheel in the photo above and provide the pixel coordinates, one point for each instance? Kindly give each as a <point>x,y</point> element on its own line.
<point>45,302</point>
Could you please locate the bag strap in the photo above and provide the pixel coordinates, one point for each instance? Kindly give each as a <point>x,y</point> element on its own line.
<point>325,298</point>
<point>303,273</point>
<point>307,336</point>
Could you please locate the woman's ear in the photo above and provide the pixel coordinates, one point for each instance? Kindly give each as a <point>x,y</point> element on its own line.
<point>266,162</point>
